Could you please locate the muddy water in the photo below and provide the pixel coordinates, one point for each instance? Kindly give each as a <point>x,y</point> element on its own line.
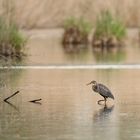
<point>44,48</point>
<point>69,109</point>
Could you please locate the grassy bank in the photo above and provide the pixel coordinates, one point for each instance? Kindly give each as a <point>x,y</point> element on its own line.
<point>11,40</point>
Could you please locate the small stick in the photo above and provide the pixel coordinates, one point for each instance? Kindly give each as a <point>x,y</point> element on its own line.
<point>34,101</point>
<point>11,96</point>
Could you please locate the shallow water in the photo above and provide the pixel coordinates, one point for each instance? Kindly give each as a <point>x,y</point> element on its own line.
<point>69,109</point>
<point>44,48</point>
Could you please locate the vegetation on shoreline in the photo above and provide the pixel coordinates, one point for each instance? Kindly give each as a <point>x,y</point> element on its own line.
<point>76,31</point>
<point>11,40</point>
<point>109,31</point>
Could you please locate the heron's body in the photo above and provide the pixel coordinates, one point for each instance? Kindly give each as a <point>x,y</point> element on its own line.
<point>102,90</point>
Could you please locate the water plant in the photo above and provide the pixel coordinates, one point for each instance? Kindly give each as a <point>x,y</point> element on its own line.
<point>76,30</point>
<point>108,30</point>
<point>11,40</point>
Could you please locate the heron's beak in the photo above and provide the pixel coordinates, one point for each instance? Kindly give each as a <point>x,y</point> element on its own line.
<point>88,83</point>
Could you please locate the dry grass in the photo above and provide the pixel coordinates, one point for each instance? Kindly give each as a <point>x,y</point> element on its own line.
<point>52,13</point>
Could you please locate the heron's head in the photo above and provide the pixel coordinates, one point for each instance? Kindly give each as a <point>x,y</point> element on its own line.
<point>93,83</point>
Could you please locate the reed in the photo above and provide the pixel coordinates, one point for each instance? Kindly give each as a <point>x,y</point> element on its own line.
<point>108,26</point>
<point>11,40</point>
<point>47,13</point>
<point>76,30</point>
<point>109,31</point>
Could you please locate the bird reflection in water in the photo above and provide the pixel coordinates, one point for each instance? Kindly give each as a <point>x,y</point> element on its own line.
<point>103,113</point>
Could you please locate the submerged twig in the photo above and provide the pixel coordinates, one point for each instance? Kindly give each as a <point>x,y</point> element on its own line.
<point>11,96</point>
<point>35,101</point>
<point>39,103</point>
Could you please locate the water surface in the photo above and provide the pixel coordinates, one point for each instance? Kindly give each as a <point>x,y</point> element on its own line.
<point>69,109</point>
<point>44,48</point>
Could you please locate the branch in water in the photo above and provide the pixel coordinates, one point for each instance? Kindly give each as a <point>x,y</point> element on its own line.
<point>34,101</point>
<point>11,96</point>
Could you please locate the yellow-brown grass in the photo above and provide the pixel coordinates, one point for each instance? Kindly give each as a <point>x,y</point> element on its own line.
<point>52,13</point>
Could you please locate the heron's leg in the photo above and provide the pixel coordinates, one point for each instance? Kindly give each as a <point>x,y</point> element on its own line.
<point>105,100</point>
<point>99,102</point>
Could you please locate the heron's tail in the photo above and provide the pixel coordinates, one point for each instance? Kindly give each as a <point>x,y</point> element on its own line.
<point>111,96</point>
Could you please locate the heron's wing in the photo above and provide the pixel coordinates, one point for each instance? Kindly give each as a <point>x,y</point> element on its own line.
<point>104,91</point>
